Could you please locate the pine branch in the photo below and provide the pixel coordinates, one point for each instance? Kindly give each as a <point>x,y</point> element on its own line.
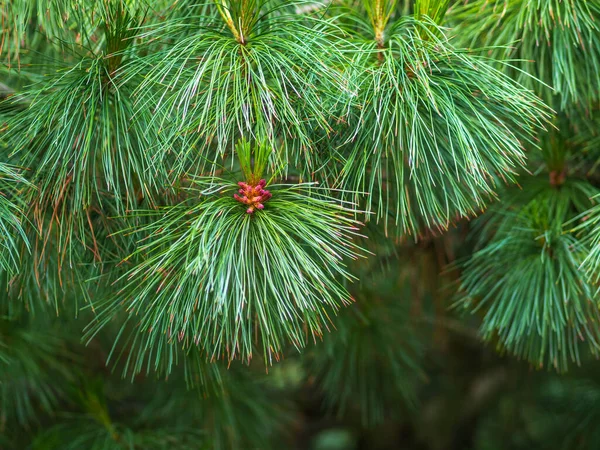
<point>33,358</point>
<point>536,302</point>
<point>274,85</point>
<point>555,41</point>
<point>87,146</point>
<point>242,412</point>
<point>436,129</point>
<point>209,274</point>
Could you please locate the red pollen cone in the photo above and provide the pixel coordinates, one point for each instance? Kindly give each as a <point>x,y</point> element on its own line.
<point>253,196</point>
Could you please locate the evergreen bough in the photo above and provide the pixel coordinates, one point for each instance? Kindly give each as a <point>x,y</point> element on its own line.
<point>205,181</point>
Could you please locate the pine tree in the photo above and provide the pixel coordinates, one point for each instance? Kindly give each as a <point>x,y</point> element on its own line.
<point>220,219</point>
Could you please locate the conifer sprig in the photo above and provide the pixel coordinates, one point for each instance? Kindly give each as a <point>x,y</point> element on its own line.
<point>556,41</point>
<point>88,148</point>
<point>589,230</point>
<point>143,143</point>
<point>528,284</point>
<point>252,69</point>
<point>207,274</point>
<point>20,18</point>
<point>436,128</point>
<point>32,356</point>
<point>94,428</point>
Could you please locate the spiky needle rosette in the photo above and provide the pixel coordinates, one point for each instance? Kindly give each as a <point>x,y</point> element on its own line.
<point>437,128</point>
<point>553,41</point>
<point>83,138</point>
<point>536,301</point>
<point>208,274</point>
<point>249,68</point>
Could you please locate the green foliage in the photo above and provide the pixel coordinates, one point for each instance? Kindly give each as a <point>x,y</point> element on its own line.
<point>12,235</point>
<point>32,361</point>
<point>239,413</point>
<point>88,148</point>
<point>52,397</point>
<point>124,127</point>
<point>537,302</point>
<point>545,412</point>
<point>435,9</point>
<point>80,135</point>
<point>438,128</point>
<point>590,230</point>
<point>20,17</point>
<point>96,430</point>
<point>208,274</point>
<point>247,411</point>
<point>368,368</point>
<point>556,41</point>
<point>267,74</point>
